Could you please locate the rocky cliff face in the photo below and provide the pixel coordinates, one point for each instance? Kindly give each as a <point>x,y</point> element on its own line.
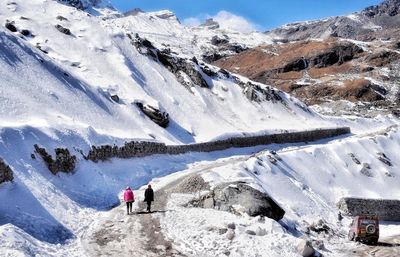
<point>319,72</point>
<point>380,21</point>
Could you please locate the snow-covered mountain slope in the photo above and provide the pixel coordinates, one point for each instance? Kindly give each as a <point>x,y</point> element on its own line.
<point>73,77</point>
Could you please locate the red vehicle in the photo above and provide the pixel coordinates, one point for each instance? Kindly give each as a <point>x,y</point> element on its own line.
<point>364,229</point>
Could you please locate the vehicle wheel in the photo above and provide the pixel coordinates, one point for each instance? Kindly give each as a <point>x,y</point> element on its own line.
<point>370,229</point>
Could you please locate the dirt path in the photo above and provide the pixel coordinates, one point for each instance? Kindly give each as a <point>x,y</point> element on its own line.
<point>387,247</point>
<point>140,234</point>
<point>157,243</point>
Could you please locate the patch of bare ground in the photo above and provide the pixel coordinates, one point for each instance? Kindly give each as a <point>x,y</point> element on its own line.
<point>388,247</point>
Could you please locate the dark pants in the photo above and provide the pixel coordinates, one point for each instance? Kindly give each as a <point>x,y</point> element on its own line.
<point>129,207</point>
<point>148,206</point>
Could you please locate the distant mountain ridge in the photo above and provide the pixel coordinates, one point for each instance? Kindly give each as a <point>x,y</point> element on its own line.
<point>379,21</point>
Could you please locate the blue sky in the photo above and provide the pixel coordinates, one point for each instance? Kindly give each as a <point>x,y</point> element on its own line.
<point>262,14</point>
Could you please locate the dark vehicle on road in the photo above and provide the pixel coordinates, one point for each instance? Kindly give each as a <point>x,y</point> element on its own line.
<point>364,229</point>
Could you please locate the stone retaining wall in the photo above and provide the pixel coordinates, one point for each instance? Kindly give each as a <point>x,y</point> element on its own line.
<point>385,209</point>
<point>143,148</point>
<point>64,161</point>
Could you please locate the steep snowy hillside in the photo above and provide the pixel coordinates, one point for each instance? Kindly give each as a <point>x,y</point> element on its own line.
<point>90,63</point>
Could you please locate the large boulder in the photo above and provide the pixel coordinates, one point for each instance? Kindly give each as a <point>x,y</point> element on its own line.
<point>6,174</point>
<point>240,197</point>
<point>158,117</point>
<point>11,26</point>
<point>305,248</point>
<point>338,54</point>
<point>63,30</point>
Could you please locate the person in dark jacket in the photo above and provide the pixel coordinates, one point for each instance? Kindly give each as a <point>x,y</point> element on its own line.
<point>149,197</point>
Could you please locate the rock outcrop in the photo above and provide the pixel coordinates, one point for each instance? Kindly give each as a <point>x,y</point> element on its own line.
<point>64,162</point>
<point>280,61</point>
<point>225,49</point>
<point>80,4</point>
<point>188,72</point>
<point>63,30</point>
<point>133,12</point>
<point>388,7</point>
<point>237,197</point>
<point>11,26</point>
<point>210,24</point>
<point>6,174</point>
<point>319,72</point>
<point>74,3</point>
<point>158,117</point>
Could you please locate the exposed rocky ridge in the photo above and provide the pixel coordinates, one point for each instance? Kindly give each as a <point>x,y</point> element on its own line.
<point>380,21</point>
<point>190,72</point>
<point>273,60</point>
<point>225,49</point>
<point>177,65</point>
<point>64,162</point>
<point>321,71</point>
<point>80,4</point>
<point>388,7</point>
<point>133,12</point>
<point>6,173</point>
<point>238,196</point>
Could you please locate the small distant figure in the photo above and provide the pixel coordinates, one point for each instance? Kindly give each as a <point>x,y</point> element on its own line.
<point>340,217</point>
<point>129,198</point>
<point>149,197</point>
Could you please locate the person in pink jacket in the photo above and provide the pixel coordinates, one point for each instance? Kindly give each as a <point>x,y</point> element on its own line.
<point>129,198</point>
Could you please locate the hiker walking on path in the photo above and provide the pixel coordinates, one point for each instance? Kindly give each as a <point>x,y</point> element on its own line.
<point>129,198</point>
<point>149,197</point>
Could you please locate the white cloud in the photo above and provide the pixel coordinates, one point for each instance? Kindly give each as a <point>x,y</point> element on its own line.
<point>231,21</point>
<point>226,20</point>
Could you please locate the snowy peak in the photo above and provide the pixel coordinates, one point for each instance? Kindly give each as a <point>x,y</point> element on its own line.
<point>133,12</point>
<point>210,24</point>
<point>166,15</point>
